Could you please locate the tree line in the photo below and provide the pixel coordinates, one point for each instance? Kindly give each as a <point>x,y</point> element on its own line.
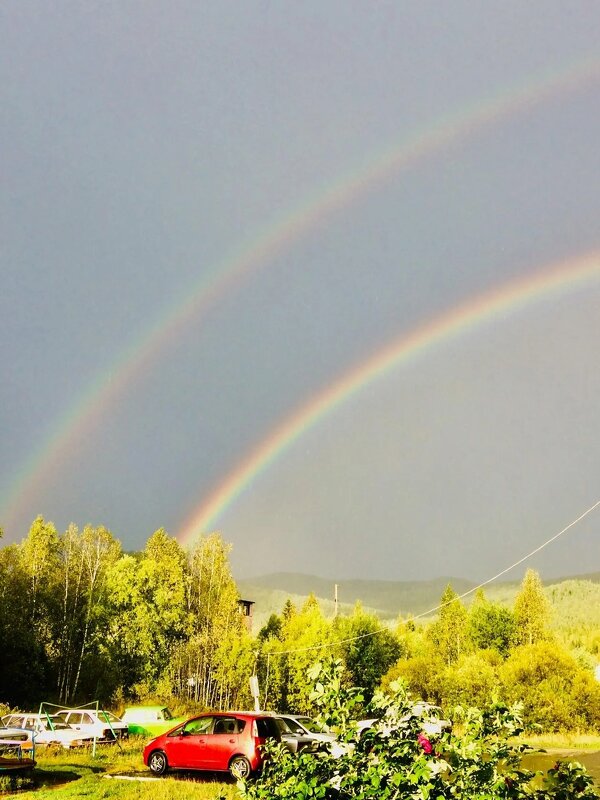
<point>80,619</point>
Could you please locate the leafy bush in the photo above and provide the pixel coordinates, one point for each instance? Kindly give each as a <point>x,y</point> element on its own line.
<point>423,673</point>
<point>473,680</point>
<point>556,692</point>
<point>395,759</point>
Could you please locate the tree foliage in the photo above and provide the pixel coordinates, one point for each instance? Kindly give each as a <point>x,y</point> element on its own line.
<point>532,610</point>
<point>450,632</point>
<point>490,625</point>
<point>79,619</point>
<point>368,648</point>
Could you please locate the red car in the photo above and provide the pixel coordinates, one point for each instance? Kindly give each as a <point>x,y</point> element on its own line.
<point>220,741</point>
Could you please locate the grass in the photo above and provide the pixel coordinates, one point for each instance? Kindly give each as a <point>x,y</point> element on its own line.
<point>71,774</point>
<point>562,741</point>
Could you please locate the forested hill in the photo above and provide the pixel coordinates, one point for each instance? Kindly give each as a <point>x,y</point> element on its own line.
<point>390,598</point>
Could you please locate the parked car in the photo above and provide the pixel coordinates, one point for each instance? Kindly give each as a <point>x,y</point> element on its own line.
<point>293,736</point>
<point>220,741</point>
<point>101,725</point>
<point>17,750</point>
<point>48,730</point>
<point>302,731</point>
<point>150,720</point>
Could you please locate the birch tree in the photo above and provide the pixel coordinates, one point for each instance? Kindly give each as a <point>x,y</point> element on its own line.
<point>99,549</point>
<point>70,617</point>
<point>214,618</point>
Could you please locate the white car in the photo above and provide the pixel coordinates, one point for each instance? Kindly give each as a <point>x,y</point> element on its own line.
<point>47,730</point>
<point>101,725</point>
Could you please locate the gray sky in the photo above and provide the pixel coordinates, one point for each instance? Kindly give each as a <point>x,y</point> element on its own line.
<point>145,144</point>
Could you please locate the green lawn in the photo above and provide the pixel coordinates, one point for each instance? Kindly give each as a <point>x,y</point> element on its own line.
<point>66,775</point>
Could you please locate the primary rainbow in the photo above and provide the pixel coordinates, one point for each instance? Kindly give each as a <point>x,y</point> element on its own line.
<point>76,425</point>
<point>485,308</point>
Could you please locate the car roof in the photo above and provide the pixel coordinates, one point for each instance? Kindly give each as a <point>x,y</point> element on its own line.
<point>30,714</point>
<point>249,714</point>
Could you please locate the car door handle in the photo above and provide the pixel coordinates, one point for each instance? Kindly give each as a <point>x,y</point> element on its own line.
<point>232,741</point>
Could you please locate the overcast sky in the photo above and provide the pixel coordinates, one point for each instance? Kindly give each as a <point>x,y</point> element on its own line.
<point>148,148</point>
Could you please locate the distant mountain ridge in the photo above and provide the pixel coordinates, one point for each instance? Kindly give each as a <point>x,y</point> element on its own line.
<point>388,599</point>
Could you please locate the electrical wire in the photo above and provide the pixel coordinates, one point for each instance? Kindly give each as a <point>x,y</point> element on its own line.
<point>454,599</point>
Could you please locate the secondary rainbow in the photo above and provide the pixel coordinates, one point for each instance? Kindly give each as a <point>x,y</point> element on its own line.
<point>459,321</point>
<point>261,250</point>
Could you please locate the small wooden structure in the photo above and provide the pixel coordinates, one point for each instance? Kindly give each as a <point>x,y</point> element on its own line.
<point>245,608</point>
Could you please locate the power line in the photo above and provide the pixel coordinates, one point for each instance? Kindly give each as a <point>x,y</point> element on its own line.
<point>454,599</point>
<point>512,566</point>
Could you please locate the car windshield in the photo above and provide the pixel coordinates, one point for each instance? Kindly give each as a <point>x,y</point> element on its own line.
<point>310,725</point>
<point>293,726</point>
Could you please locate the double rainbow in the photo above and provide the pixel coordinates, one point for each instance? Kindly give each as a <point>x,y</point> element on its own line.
<point>262,251</point>
<point>459,321</point>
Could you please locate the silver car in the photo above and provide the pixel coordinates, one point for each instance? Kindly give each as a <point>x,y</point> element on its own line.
<point>302,732</point>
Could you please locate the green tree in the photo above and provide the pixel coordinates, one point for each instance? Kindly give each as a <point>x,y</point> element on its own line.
<point>531,610</point>
<point>24,669</point>
<point>70,609</point>
<point>490,625</point>
<point>39,553</point>
<point>305,636</point>
<point>272,629</point>
<point>368,648</point>
<point>163,577</point>
<point>150,612</point>
<point>99,550</point>
<point>214,617</point>
<point>449,632</point>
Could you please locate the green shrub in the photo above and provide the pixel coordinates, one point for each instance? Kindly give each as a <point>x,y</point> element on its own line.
<point>557,693</point>
<point>472,681</point>
<point>423,674</point>
<point>395,760</point>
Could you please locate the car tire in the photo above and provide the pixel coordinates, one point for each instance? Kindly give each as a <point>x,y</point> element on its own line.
<point>157,763</point>
<point>239,768</point>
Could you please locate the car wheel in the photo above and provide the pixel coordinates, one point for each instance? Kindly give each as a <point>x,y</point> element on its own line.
<point>158,763</point>
<point>239,767</point>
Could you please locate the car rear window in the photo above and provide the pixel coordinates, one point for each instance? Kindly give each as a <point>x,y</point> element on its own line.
<point>229,725</point>
<point>267,727</point>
